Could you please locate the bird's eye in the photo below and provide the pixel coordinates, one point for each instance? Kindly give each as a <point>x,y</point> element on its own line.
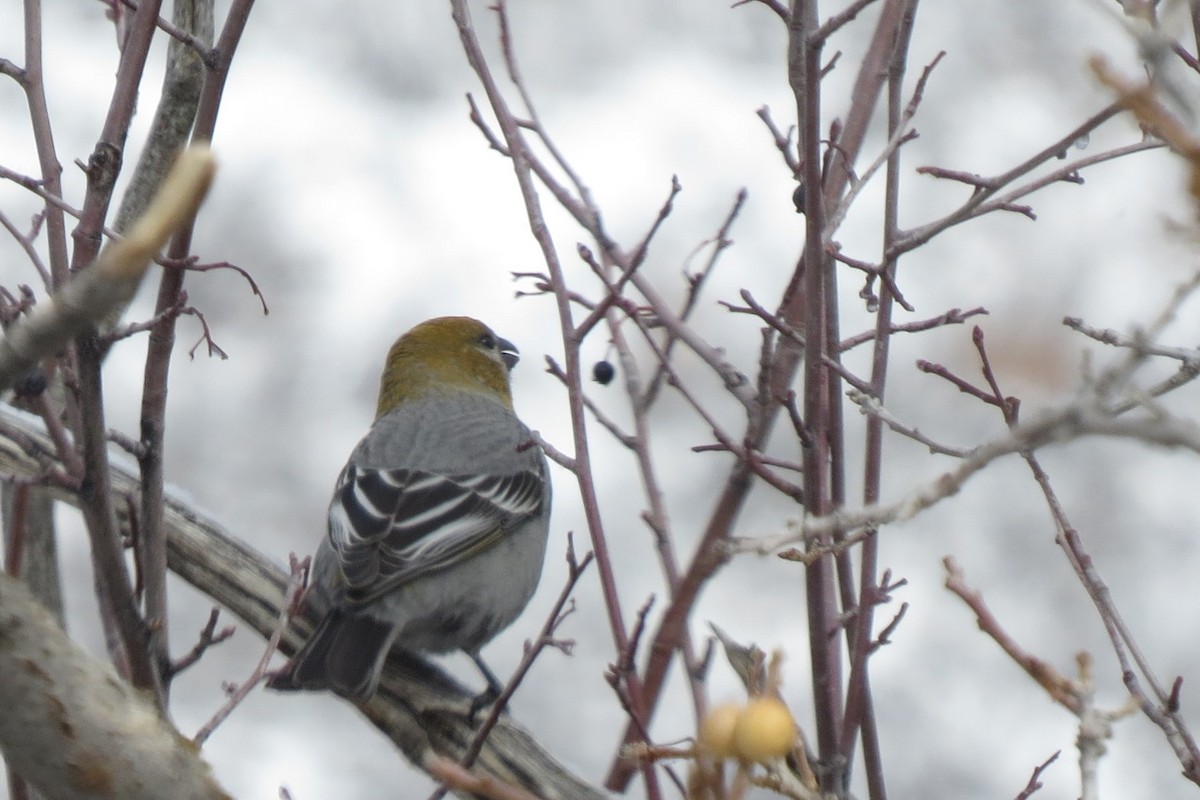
<point>488,341</point>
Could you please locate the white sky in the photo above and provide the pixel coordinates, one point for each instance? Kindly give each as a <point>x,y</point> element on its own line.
<point>355,189</point>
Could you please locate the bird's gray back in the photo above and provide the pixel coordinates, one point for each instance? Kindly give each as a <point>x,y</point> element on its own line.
<point>451,434</point>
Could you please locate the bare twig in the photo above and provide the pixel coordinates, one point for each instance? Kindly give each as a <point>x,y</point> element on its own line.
<point>872,407</point>
<point>1156,703</point>
<point>297,580</point>
<point>840,19</point>
<point>546,638</point>
<point>780,9</point>
<point>25,241</point>
<point>1059,687</point>
<point>986,197</point>
<point>719,243</point>
<point>1064,424</point>
<point>209,636</point>
<point>954,316</point>
<point>201,45</point>
<point>526,166</point>
<point>1035,779</point>
<point>161,341</point>
<point>900,134</point>
<point>1190,356</point>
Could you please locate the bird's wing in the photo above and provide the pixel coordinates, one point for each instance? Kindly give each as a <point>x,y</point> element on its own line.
<point>389,526</point>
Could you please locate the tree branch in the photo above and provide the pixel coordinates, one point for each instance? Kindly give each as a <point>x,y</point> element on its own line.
<point>73,728</point>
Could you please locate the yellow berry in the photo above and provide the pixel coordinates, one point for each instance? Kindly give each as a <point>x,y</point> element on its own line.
<point>765,729</point>
<point>716,730</point>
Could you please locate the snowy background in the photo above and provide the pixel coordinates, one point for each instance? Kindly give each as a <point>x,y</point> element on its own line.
<point>354,188</point>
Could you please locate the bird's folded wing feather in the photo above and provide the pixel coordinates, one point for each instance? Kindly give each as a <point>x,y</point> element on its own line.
<point>388,527</point>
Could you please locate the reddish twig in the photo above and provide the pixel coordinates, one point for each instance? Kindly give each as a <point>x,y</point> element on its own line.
<point>293,596</point>
<point>25,241</point>
<point>209,636</point>
<point>986,198</point>
<point>562,608</point>
<point>954,316</point>
<point>161,341</point>
<point>1059,687</point>
<point>840,19</point>
<point>207,54</point>
<point>191,265</point>
<point>606,421</point>
<point>783,141</point>
<point>719,243</point>
<point>526,167</point>
<point>776,6</point>
<point>1010,407</point>
<point>1035,780</point>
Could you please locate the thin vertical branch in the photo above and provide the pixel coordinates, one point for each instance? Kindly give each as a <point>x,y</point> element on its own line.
<point>182,88</point>
<point>34,84</point>
<point>1160,706</point>
<point>860,715</point>
<point>656,516</point>
<point>804,73</point>
<point>583,467</point>
<point>28,512</point>
<point>105,162</point>
<point>161,342</point>
<point>113,585</point>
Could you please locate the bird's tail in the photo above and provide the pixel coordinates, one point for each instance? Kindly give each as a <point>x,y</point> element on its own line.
<point>344,654</point>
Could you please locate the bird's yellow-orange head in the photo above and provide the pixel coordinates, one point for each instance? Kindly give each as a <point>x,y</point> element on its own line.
<point>446,354</point>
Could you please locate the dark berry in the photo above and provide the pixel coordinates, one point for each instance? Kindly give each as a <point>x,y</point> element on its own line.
<point>603,372</point>
<point>798,199</point>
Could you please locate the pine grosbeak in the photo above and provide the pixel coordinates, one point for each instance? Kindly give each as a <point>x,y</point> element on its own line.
<point>438,524</point>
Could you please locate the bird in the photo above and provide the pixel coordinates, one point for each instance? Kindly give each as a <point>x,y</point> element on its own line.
<point>438,524</point>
